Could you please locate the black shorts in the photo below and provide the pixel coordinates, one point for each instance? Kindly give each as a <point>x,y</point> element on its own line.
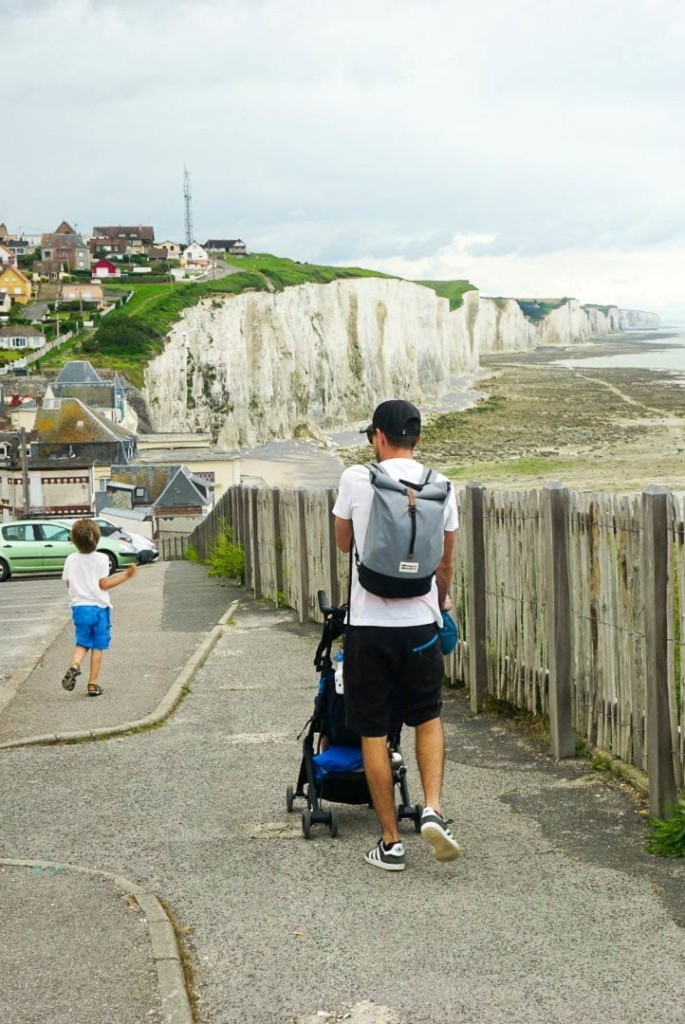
<point>391,675</point>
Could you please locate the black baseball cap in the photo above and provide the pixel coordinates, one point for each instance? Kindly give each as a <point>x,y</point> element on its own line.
<point>396,418</point>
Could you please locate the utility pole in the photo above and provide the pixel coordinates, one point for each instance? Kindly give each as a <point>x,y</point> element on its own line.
<point>24,470</point>
<point>188,208</point>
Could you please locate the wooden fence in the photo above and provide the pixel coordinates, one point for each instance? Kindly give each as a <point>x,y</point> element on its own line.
<point>173,549</point>
<point>568,605</point>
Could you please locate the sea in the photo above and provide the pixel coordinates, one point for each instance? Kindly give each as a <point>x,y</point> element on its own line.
<point>662,350</point>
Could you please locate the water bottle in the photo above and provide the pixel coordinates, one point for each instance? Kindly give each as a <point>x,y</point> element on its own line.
<point>339,688</point>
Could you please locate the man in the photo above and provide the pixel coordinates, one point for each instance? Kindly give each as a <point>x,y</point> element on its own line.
<point>392,657</point>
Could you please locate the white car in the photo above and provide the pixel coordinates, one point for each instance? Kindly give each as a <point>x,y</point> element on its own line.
<point>147,550</point>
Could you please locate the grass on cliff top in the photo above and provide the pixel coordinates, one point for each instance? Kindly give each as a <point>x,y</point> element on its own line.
<point>452,290</point>
<point>284,273</point>
<point>536,310</point>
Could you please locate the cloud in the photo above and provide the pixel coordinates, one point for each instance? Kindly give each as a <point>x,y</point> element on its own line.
<point>384,129</point>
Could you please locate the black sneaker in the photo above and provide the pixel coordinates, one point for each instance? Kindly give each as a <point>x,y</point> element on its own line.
<point>435,831</point>
<point>69,681</point>
<point>388,860</point>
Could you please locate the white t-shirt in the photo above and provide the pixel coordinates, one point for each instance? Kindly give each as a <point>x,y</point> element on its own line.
<point>83,574</point>
<point>355,494</point>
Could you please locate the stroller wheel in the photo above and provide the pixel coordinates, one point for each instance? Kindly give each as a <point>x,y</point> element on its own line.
<point>418,811</point>
<point>333,822</point>
<point>307,823</point>
<point>289,799</point>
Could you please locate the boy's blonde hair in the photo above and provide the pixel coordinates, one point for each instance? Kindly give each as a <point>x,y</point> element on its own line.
<point>85,534</point>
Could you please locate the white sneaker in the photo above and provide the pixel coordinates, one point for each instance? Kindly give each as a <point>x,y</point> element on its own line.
<point>435,831</point>
<point>389,860</point>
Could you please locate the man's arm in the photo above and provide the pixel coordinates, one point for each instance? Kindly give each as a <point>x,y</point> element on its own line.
<point>443,573</point>
<point>343,533</point>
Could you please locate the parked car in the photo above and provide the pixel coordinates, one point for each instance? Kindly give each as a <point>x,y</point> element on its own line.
<point>42,545</point>
<point>147,550</point>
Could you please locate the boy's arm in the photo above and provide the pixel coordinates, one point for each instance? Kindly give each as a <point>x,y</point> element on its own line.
<point>114,581</point>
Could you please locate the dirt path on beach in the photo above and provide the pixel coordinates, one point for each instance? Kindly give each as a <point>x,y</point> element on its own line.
<point>618,429</point>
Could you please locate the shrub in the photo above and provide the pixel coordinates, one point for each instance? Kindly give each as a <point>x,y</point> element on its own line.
<point>192,554</point>
<point>227,558</point>
<point>667,836</point>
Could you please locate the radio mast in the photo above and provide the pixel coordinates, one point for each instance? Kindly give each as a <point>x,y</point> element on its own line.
<point>188,199</point>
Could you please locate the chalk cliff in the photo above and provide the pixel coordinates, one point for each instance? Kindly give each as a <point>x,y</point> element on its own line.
<point>260,365</point>
<point>637,319</point>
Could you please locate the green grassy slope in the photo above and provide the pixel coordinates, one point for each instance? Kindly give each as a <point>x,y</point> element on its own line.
<point>452,290</point>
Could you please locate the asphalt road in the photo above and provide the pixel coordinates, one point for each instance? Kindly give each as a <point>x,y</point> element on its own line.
<point>554,913</point>
<point>30,607</point>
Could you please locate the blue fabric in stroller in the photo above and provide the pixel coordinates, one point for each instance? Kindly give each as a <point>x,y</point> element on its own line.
<point>331,768</point>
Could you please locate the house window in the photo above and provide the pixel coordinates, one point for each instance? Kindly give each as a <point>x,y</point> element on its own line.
<point>19,342</point>
<point>103,482</point>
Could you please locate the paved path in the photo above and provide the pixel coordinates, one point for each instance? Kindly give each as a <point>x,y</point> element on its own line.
<point>31,608</point>
<point>553,914</point>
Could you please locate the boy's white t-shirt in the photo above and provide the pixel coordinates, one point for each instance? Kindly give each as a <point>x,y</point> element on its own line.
<point>83,574</point>
<point>355,495</point>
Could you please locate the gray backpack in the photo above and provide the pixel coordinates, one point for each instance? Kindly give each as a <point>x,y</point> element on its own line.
<point>404,539</point>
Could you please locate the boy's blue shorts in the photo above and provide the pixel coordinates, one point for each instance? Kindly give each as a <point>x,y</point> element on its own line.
<point>92,626</point>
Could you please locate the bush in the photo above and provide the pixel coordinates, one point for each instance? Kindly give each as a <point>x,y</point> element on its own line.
<point>227,558</point>
<point>192,554</point>
<point>667,836</point>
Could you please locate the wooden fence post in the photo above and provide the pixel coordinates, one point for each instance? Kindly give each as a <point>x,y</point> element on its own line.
<point>246,536</point>
<point>254,541</point>
<point>278,541</point>
<point>334,595</point>
<point>663,793</point>
<point>302,555</point>
<point>559,619</point>
<point>475,634</point>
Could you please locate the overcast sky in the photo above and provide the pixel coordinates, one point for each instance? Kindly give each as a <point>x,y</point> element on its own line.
<point>537,148</point>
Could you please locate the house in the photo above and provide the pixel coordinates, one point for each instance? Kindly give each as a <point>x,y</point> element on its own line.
<point>4,236</point>
<point>63,246</point>
<point>21,336</point>
<point>121,238</point>
<point>90,294</point>
<point>69,428</point>
<point>156,253</point>
<point>182,505</point>
<point>234,246</point>
<point>78,379</point>
<point>105,268</point>
<point>16,284</point>
<point>7,257</point>
<point>55,487</point>
<point>173,249</point>
<point>20,246</point>
<point>194,255</point>
<point>5,301</point>
<point>22,412</point>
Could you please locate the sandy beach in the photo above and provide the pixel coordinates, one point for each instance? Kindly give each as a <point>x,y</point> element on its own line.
<point>613,428</point>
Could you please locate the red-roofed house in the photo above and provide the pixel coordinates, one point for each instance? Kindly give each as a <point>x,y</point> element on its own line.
<point>105,268</point>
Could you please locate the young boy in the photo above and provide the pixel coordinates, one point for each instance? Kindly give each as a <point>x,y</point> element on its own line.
<point>86,572</point>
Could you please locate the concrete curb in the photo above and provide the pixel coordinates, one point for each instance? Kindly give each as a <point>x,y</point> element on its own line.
<point>165,951</point>
<point>161,712</point>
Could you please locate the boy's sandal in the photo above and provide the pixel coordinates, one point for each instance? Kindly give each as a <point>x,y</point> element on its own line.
<point>95,691</point>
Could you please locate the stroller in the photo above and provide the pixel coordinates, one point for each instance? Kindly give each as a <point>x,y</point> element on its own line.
<point>331,767</point>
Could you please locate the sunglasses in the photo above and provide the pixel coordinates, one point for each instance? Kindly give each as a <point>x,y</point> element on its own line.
<point>370,435</point>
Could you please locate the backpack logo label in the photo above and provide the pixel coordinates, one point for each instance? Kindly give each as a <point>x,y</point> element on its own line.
<point>409,567</point>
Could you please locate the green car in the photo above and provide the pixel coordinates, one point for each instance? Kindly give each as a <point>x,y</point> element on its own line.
<point>42,545</point>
